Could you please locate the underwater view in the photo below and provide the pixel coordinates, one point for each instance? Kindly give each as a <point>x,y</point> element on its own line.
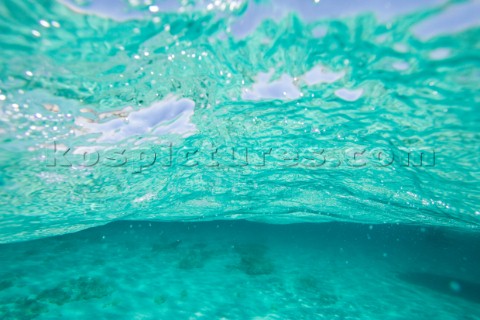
<point>240,159</point>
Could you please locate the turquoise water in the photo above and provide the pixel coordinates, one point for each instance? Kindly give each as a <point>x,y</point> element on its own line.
<point>243,270</point>
<point>239,159</point>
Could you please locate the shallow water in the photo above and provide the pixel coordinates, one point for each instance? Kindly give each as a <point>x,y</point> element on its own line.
<point>239,159</point>
<point>312,113</point>
<point>244,270</point>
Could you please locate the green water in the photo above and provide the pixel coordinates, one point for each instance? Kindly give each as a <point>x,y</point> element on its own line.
<point>356,115</point>
<point>243,270</point>
<point>85,81</point>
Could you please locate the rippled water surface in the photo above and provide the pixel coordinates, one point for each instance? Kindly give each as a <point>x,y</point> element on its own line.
<point>333,106</point>
<point>356,115</point>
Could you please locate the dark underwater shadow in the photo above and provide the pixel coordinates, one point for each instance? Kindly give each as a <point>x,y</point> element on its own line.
<point>448,285</point>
